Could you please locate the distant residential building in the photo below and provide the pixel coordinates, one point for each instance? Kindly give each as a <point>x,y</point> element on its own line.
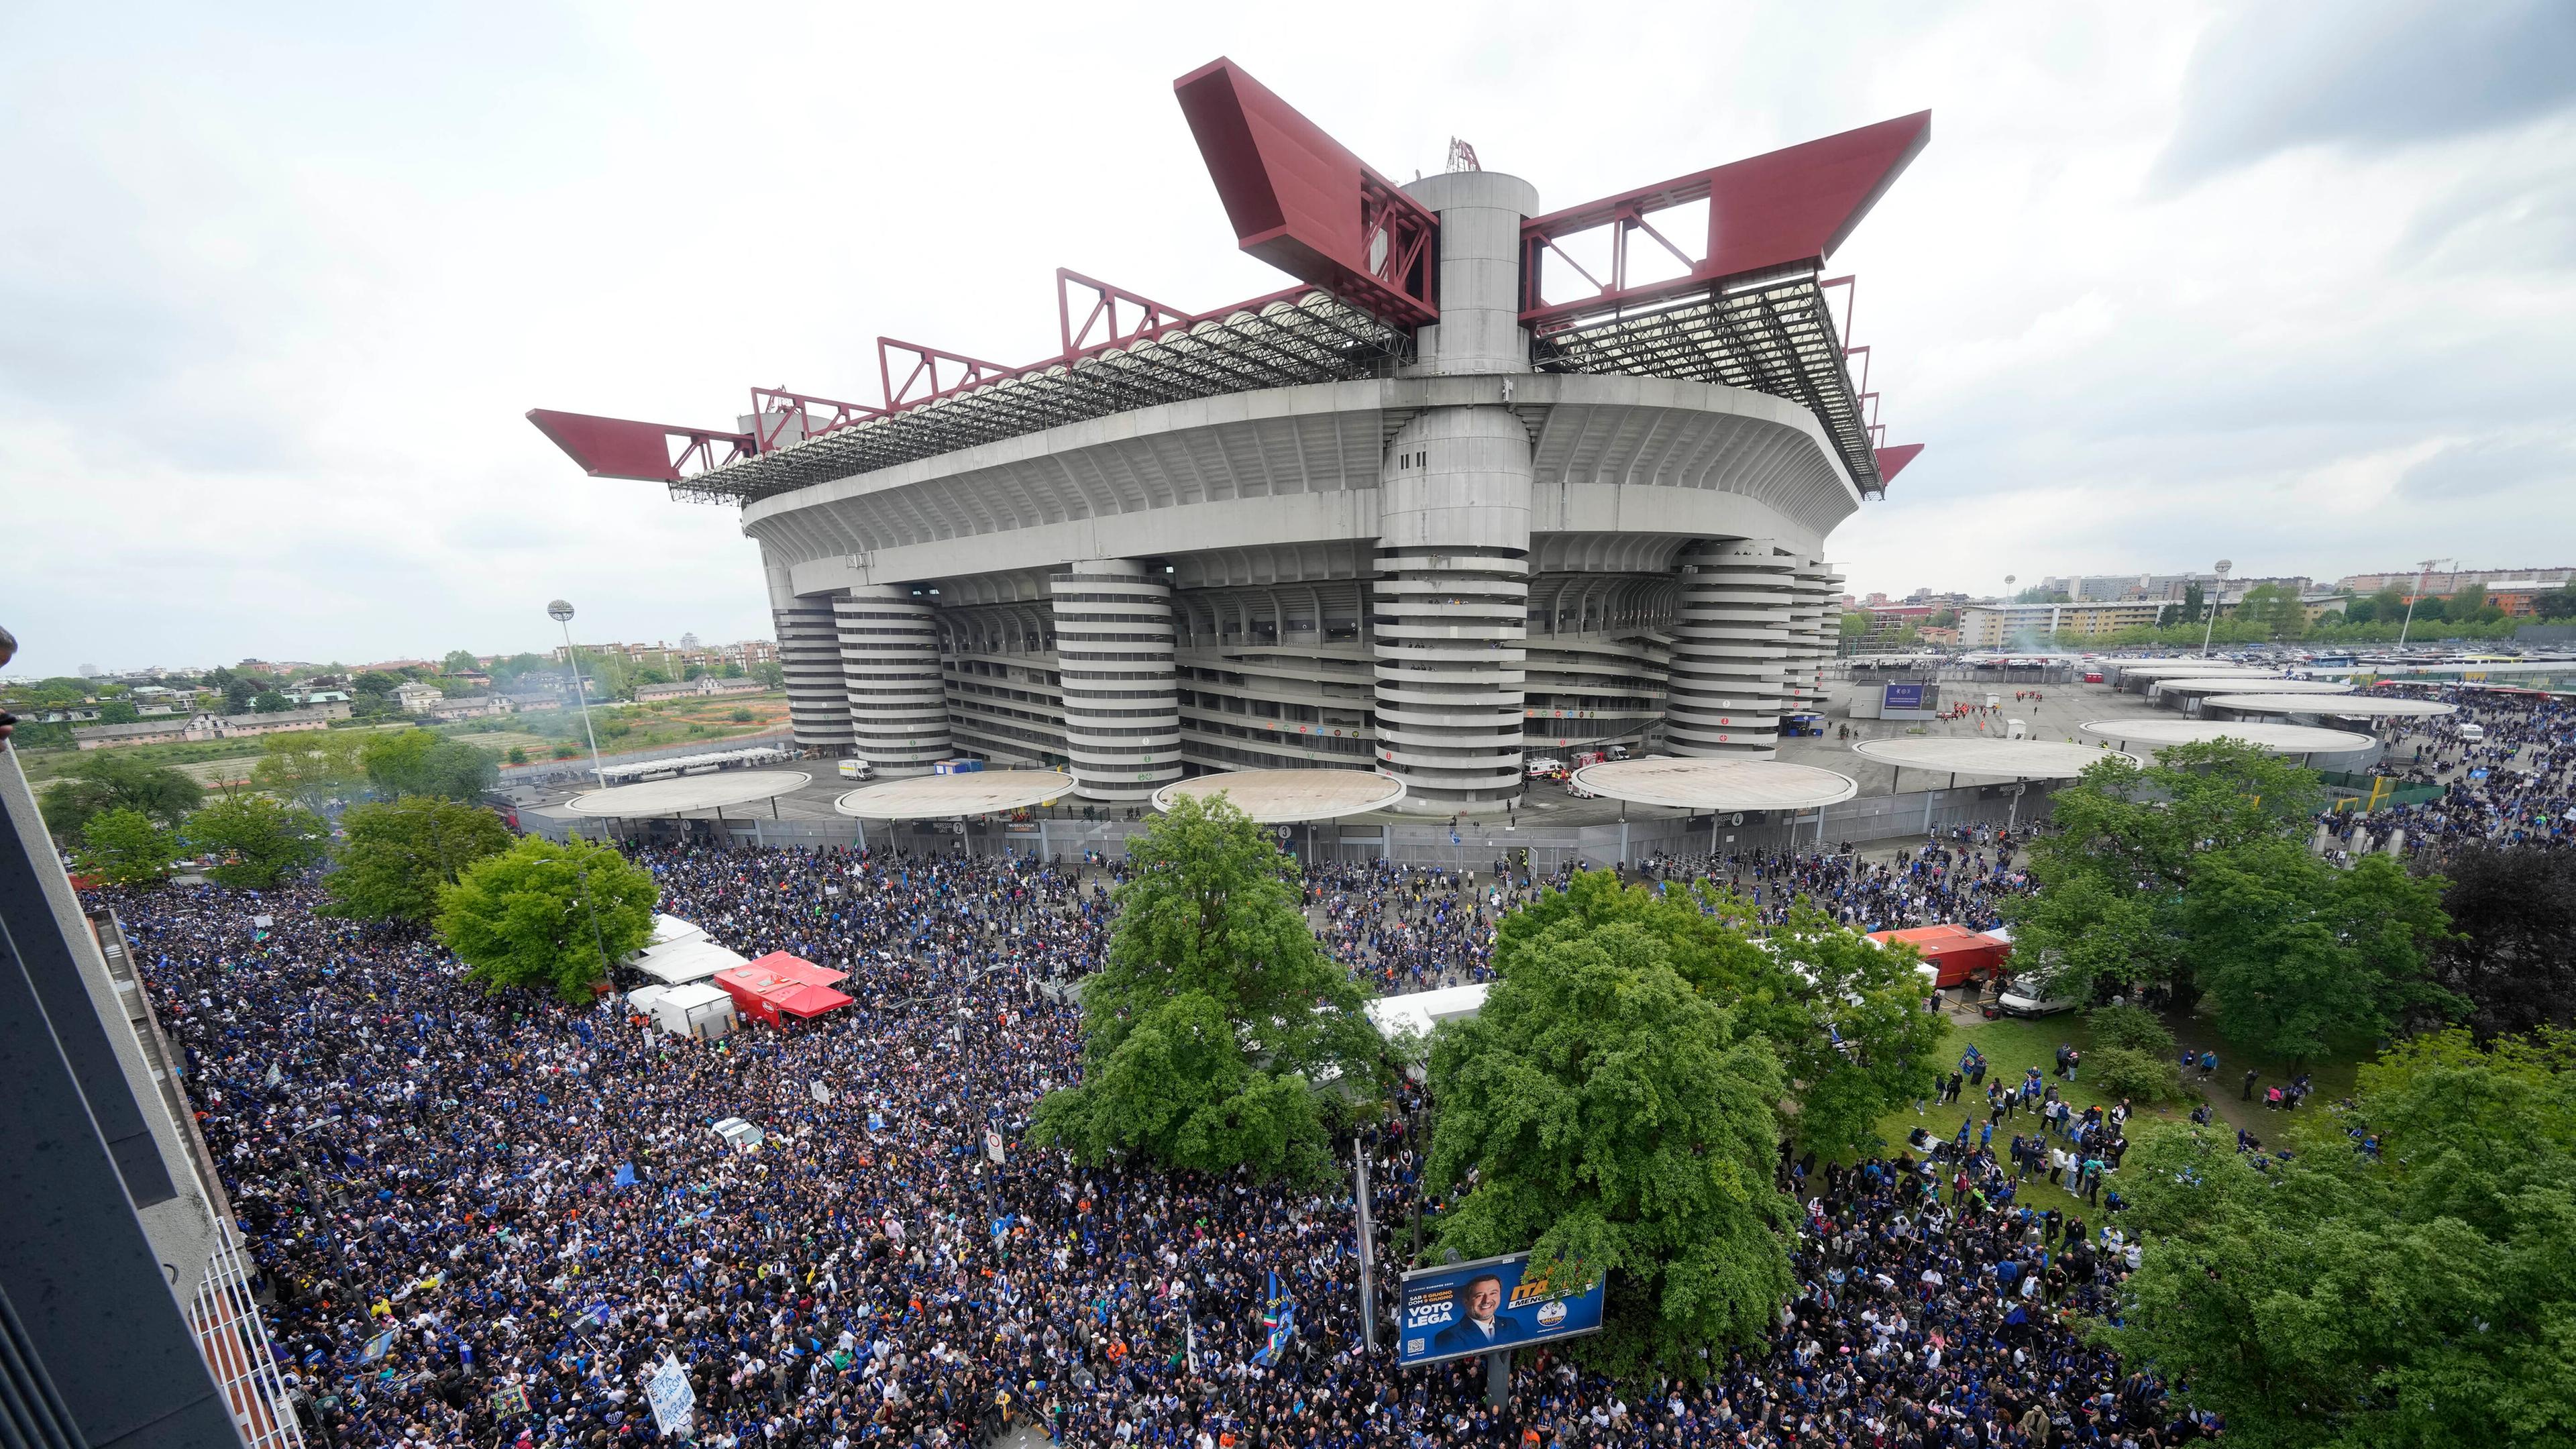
<point>704,684</point>
<point>284,721</point>
<point>1940,634</point>
<point>2442,585</point>
<point>147,732</point>
<point>2000,626</point>
<point>466,706</point>
<point>522,703</point>
<point>414,697</point>
<point>646,693</point>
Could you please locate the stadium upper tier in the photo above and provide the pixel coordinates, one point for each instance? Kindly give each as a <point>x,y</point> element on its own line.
<point>1481,485</point>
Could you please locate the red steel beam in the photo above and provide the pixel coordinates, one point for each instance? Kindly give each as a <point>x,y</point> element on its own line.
<point>1892,461</point>
<point>1790,207</point>
<point>1302,202</point>
<point>1145,314</point>
<point>773,407</point>
<point>623,448</point>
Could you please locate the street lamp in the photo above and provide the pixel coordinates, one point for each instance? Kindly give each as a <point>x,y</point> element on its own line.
<point>561,613</point>
<point>2215,600</point>
<point>2423,571</point>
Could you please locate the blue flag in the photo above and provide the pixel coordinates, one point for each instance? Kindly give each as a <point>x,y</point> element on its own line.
<point>626,1174</point>
<point>1279,1316</point>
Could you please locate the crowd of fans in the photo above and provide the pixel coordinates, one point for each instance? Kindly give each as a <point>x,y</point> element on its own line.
<point>2516,785</point>
<point>457,1200</point>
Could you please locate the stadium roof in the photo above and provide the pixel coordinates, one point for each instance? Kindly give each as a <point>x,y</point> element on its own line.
<point>1276,341</point>
<point>1747,309</point>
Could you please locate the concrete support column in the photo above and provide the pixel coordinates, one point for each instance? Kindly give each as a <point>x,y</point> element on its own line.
<point>1731,646</point>
<point>809,656</point>
<point>1452,608</point>
<point>1122,706</point>
<point>898,703</point>
<point>1815,631</point>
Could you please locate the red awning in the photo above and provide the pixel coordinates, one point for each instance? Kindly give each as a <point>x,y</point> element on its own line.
<point>779,984</point>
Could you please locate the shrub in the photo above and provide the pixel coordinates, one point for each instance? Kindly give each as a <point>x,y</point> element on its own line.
<point>566,750</point>
<point>740,716</point>
<point>2120,1071</point>
<point>516,755</point>
<point>2133,1027</point>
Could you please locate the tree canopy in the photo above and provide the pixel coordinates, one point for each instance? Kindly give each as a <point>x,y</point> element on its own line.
<point>111,780</point>
<point>309,766</point>
<point>1844,1014</point>
<point>2513,909</point>
<point>256,840</point>
<point>547,916</point>
<point>1211,1033</point>
<point>2194,872</point>
<point>422,762</point>
<point>400,854</point>
<point>126,847</point>
<point>1608,1116</point>
<point>2412,1283</point>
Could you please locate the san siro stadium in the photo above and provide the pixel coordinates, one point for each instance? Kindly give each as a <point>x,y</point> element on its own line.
<point>1487,483</point>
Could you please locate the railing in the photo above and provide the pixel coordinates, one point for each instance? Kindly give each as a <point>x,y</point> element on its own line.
<point>235,1341</point>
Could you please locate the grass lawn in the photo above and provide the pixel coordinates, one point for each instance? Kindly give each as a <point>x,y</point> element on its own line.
<point>2012,1044</point>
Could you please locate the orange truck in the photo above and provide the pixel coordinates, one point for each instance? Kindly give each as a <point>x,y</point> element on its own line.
<point>1952,955</point>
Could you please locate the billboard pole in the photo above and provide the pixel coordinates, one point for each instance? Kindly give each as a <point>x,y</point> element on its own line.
<point>1498,1377</point>
<point>1368,1244</point>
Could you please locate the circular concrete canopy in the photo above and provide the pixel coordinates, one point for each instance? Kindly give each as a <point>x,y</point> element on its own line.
<point>1284,797</point>
<point>2223,684</point>
<point>2280,739</point>
<point>938,797</point>
<point>2189,669</point>
<point>2008,759</point>
<point>2345,706</point>
<point>1696,784</point>
<point>684,793</point>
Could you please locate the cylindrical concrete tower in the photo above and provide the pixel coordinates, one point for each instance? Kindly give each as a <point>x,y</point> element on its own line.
<point>1452,591</point>
<point>809,658</point>
<point>1731,648</point>
<point>890,668</point>
<point>1815,624</point>
<point>1122,709</point>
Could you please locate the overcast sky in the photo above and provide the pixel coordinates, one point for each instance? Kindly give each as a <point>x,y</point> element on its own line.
<point>2293,284</point>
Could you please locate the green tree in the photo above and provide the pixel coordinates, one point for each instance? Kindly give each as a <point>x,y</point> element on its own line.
<point>399,855</point>
<point>2301,959</point>
<point>770,673</point>
<point>126,847</point>
<point>2466,603</point>
<point>1844,1014</point>
<point>2556,604</point>
<point>2128,844</point>
<point>112,780</point>
<point>309,766</point>
<point>2422,1295</point>
<point>239,691</point>
<point>1210,1035</point>
<point>548,916</point>
<point>269,701</point>
<point>257,840</point>
<point>460,661</point>
<point>421,762</point>
<point>2194,601</point>
<point>1855,624</point>
<point>1617,1121</point>
<point>119,711</point>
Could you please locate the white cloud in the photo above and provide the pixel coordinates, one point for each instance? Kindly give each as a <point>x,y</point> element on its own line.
<point>280,286</point>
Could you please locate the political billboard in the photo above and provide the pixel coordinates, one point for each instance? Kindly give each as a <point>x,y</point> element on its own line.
<point>1459,1309</point>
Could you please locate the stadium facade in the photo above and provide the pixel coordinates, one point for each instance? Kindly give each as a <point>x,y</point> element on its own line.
<point>1454,500</point>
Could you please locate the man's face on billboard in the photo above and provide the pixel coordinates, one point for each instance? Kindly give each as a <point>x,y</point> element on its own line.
<point>1483,1297</point>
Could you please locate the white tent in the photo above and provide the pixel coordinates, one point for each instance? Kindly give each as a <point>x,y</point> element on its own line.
<point>1420,1011</point>
<point>669,928</point>
<point>693,958</point>
<point>642,998</point>
<point>695,1010</point>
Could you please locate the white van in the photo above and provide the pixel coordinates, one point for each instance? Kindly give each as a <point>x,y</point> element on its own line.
<point>855,770</point>
<point>2474,734</point>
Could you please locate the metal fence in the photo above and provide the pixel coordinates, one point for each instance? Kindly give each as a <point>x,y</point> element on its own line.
<point>1472,844</point>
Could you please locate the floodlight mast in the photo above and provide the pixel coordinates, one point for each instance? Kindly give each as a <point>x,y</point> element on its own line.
<point>561,613</point>
<point>2423,573</point>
